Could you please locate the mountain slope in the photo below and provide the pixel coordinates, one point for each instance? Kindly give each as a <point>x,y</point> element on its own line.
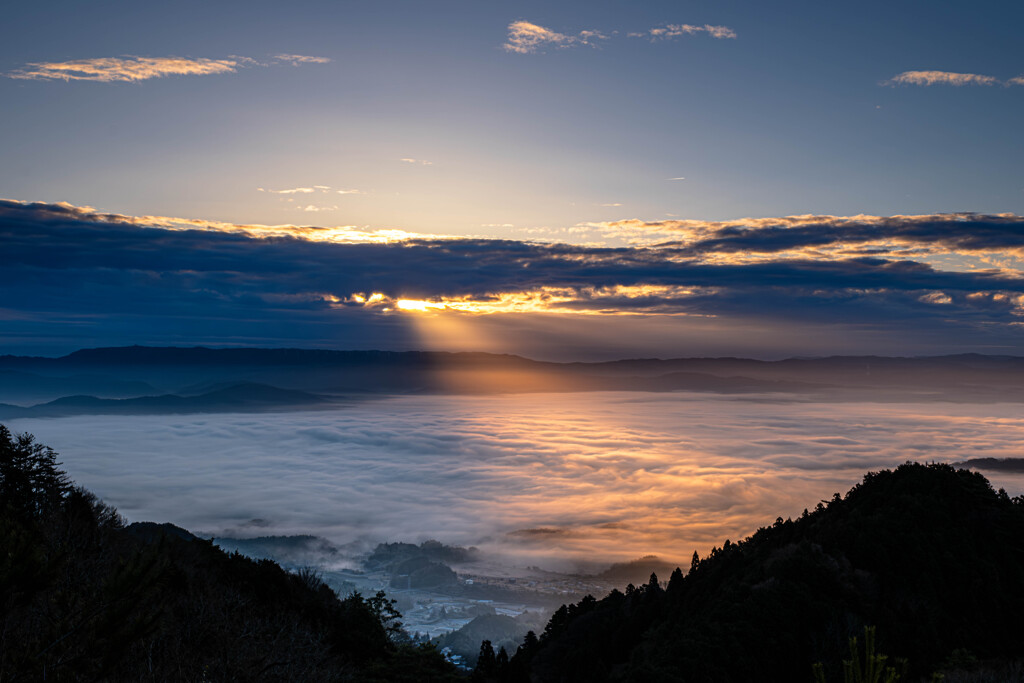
<point>83,597</point>
<point>928,554</point>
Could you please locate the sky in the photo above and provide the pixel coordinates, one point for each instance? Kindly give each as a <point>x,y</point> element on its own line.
<point>561,180</point>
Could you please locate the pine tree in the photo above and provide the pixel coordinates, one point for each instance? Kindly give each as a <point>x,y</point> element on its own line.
<point>486,663</point>
<point>675,581</point>
<point>31,482</point>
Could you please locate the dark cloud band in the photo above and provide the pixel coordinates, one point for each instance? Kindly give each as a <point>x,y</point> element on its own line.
<point>63,263</point>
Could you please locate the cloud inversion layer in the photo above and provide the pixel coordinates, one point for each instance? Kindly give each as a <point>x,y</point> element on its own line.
<point>896,276</point>
<point>613,476</point>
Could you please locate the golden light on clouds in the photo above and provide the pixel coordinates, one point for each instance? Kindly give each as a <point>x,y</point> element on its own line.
<point>347,234</point>
<point>132,69</point>
<point>420,306</point>
<point>640,299</point>
<point>553,478</point>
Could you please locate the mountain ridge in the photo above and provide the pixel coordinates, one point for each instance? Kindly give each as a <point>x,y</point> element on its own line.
<point>112,373</point>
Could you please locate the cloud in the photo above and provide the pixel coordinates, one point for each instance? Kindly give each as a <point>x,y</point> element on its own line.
<point>111,69</point>
<point>131,68</point>
<point>940,78</point>
<point>421,162</point>
<point>936,298</point>
<point>294,190</point>
<point>612,476</point>
<point>878,280</point>
<point>296,60</point>
<point>323,189</point>
<point>669,31</point>
<point>526,38</point>
<point>829,237</point>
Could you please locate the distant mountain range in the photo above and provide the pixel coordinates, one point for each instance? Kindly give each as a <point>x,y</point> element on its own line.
<point>139,379</point>
<point>244,396</point>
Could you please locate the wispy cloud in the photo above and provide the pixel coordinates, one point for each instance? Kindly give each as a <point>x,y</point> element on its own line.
<point>669,31</point>
<point>127,69</point>
<point>829,237</point>
<point>526,38</point>
<point>294,190</point>
<point>323,189</point>
<point>302,59</point>
<point>421,162</point>
<point>131,68</point>
<point>940,78</point>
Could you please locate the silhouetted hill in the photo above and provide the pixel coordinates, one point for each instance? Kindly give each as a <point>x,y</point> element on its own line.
<point>152,531</point>
<point>636,571</point>
<point>27,387</point>
<point>241,396</point>
<point>499,629</point>
<point>929,555</point>
<point>387,555</point>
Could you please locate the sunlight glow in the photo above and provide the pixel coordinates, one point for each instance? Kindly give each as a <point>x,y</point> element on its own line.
<point>412,305</point>
<point>612,300</point>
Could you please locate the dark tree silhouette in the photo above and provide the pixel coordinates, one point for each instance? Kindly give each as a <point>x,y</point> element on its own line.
<point>486,663</point>
<point>32,484</point>
<point>675,581</point>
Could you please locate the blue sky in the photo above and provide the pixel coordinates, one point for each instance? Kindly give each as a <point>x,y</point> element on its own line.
<point>519,121</point>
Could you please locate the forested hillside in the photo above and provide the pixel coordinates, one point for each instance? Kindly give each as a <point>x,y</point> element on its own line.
<point>85,597</point>
<point>929,556</point>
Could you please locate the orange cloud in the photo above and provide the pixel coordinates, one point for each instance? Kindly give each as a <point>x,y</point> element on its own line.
<point>124,69</point>
<point>525,38</point>
<point>130,68</point>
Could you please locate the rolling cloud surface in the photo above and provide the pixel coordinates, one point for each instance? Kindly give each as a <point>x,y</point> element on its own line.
<point>553,479</point>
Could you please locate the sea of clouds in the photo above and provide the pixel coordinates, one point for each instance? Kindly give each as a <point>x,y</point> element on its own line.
<point>552,479</point>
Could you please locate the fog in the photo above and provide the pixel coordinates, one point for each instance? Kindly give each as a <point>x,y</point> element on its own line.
<point>552,479</point>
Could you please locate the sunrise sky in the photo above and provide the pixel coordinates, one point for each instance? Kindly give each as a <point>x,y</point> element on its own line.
<point>570,180</point>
